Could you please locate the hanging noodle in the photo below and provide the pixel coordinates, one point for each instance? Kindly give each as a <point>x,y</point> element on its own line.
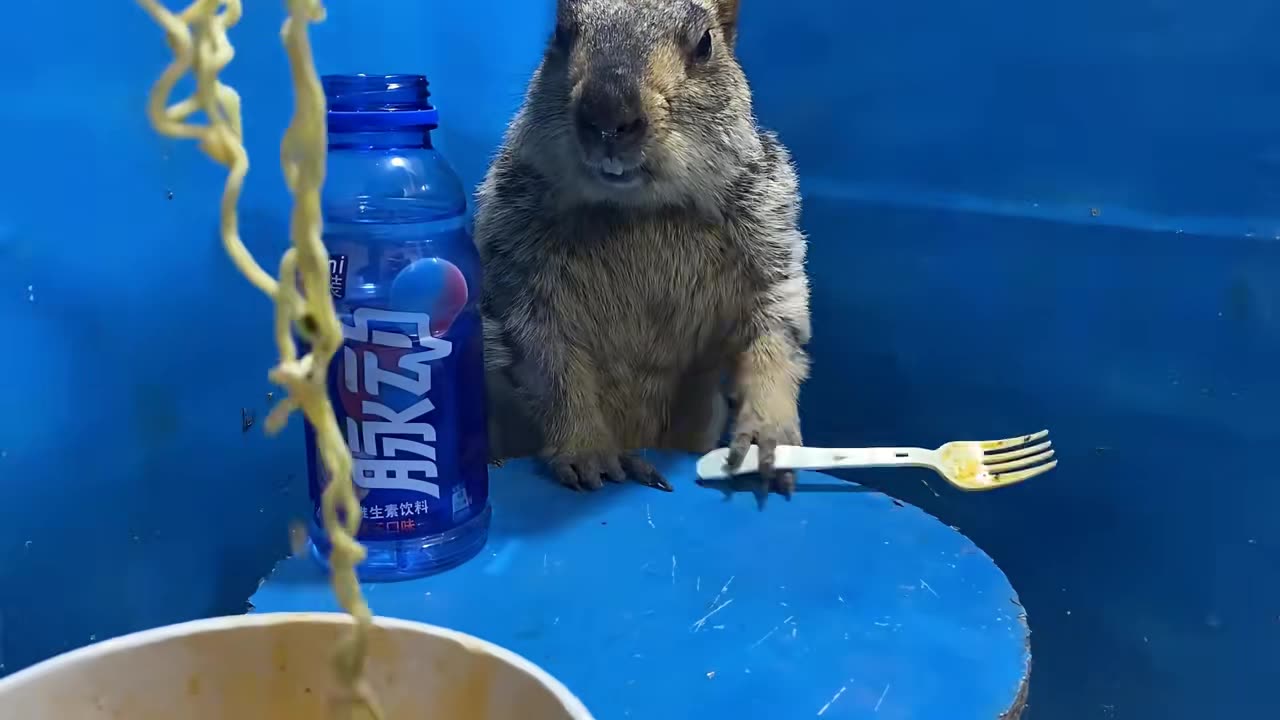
<point>197,36</point>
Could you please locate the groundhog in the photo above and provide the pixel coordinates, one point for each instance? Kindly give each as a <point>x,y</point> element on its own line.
<point>644,272</point>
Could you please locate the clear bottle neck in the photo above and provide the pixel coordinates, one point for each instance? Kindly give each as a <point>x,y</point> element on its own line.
<point>409,138</point>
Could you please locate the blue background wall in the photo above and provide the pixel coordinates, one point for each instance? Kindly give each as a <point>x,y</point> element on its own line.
<point>1022,215</point>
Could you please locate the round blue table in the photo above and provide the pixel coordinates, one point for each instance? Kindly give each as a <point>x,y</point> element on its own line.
<point>843,603</point>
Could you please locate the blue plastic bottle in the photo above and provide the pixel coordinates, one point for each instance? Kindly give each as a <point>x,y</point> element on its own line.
<point>408,384</point>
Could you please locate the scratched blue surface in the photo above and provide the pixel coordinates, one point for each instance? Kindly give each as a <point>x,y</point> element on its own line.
<point>682,605</point>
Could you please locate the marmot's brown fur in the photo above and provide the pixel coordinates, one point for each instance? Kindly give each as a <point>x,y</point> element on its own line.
<point>641,250</point>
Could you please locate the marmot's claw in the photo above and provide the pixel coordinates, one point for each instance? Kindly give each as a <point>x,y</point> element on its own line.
<point>751,429</point>
<point>644,473</point>
<point>588,470</point>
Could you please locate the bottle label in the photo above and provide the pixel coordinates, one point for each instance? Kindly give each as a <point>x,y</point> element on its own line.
<point>338,276</point>
<point>394,390</point>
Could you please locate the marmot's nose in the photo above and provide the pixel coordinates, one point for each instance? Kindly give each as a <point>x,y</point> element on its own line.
<point>612,119</point>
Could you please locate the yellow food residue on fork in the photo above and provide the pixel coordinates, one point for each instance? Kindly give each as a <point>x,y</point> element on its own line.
<point>966,466</point>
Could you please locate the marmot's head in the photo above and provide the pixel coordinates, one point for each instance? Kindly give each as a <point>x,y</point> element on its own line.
<point>639,101</point>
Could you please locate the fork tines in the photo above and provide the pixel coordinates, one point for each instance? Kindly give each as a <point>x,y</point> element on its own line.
<point>1016,459</point>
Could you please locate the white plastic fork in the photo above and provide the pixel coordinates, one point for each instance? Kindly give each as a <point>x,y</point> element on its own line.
<point>981,465</point>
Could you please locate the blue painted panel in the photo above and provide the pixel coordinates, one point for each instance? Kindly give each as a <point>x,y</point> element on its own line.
<point>1162,106</point>
<point>1147,561</point>
<point>842,604</point>
<point>120,480</point>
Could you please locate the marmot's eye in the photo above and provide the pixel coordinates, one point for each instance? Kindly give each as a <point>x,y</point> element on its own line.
<point>702,52</point>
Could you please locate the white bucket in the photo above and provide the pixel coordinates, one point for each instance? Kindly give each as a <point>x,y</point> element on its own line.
<point>277,667</point>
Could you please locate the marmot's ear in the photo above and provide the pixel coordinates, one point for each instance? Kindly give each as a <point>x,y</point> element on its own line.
<point>728,12</point>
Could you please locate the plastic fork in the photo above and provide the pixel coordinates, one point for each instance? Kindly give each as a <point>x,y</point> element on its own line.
<point>981,465</point>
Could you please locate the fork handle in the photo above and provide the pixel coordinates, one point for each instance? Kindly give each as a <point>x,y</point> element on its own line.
<point>813,458</point>
<point>794,457</point>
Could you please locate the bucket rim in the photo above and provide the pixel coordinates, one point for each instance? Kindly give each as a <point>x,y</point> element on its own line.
<point>164,633</point>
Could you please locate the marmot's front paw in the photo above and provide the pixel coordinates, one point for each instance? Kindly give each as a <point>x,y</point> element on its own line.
<point>753,428</point>
<point>589,470</point>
